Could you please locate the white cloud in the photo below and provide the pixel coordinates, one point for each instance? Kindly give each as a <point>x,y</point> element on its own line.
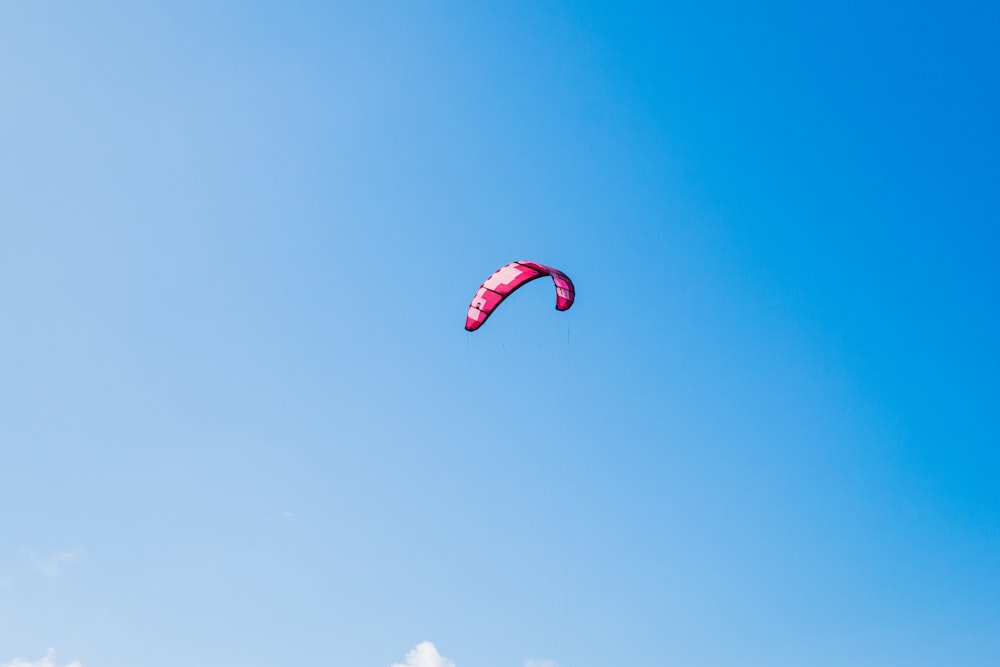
<point>425,655</point>
<point>48,661</point>
<point>51,565</point>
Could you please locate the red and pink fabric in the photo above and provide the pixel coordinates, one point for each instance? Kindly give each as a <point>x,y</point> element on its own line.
<point>508,278</point>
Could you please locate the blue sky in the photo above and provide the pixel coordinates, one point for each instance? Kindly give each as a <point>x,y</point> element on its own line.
<point>241,422</point>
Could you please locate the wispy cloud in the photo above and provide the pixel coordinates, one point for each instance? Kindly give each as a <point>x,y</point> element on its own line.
<point>49,660</point>
<point>51,565</point>
<point>425,655</point>
<point>283,515</point>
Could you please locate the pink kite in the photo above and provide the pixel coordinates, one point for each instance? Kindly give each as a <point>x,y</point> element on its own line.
<point>508,278</point>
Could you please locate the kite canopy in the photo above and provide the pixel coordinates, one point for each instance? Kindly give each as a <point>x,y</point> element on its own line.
<point>508,278</point>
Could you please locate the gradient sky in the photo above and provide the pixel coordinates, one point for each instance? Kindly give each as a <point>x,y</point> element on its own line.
<point>241,422</point>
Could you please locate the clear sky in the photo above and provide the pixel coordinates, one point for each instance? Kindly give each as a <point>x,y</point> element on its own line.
<point>241,422</point>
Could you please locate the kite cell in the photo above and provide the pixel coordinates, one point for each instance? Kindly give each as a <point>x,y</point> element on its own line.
<point>508,278</point>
